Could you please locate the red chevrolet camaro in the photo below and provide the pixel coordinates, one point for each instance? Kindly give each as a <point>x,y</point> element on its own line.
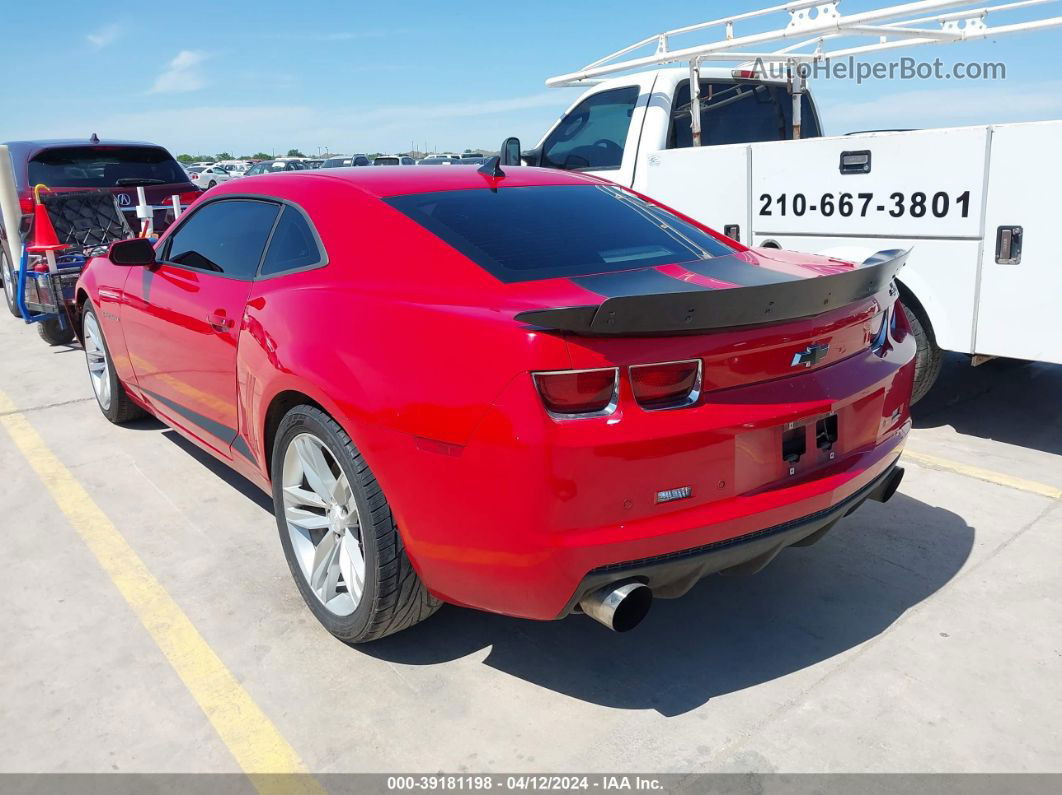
<point>529,392</point>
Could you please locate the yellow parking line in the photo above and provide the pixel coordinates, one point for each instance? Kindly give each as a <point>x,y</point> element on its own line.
<point>987,475</point>
<point>254,741</point>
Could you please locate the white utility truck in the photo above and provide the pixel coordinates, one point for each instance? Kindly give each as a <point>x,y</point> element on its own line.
<point>976,204</point>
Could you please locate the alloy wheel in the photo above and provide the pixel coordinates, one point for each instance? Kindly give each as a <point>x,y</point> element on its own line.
<point>324,524</point>
<point>96,358</point>
<point>9,282</point>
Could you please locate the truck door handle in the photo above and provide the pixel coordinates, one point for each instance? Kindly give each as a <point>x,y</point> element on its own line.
<point>1008,245</point>
<point>219,321</point>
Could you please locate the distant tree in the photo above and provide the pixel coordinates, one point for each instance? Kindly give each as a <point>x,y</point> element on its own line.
<point>295,153</point>
<point>223,156</point>
<point>185,158</point>
<point>261,156</point>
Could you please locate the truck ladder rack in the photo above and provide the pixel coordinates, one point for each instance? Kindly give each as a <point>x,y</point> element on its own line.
<point>812,25</point>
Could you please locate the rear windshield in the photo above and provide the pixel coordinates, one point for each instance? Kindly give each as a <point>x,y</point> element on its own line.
<point>522,234</point>
<point>738,113</point>
<point>104,167</point>
<point>385,161</point>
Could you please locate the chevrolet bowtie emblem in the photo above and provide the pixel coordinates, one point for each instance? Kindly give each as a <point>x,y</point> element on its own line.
<point>813,354</point>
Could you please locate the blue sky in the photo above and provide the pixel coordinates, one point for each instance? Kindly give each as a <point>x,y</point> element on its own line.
<point>247,76</point>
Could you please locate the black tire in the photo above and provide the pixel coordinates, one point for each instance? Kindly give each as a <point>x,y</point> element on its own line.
<point>121,409</point>
<point>211,185</point>
<point>10,282</point>
<point>393,597</point>
<point>928,356</point>
<point>55,334</point>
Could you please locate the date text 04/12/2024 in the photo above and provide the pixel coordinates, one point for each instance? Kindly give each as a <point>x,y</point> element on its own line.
<point>520,783</point>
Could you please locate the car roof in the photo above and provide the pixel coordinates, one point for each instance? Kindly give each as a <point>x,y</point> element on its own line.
<point>387,182</point>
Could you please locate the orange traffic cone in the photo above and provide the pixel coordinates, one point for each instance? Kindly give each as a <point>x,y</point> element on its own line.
<point>44,237</point>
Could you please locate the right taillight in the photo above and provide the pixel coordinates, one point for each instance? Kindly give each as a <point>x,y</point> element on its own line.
<point>668,385</point>
<point>570,394</point>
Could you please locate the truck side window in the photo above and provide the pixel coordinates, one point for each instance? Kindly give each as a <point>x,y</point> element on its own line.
<point>593,135</point>
<point>738,113</point>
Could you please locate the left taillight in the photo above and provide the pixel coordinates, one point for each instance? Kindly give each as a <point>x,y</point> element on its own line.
<point>25,202</point>
<point>668,385</point>
<point>570,394</point>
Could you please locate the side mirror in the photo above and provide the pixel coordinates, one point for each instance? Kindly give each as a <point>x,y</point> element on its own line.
<point>510,152</point>
<point>137,251</point>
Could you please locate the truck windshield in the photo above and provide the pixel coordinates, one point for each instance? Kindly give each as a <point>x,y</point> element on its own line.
<point>738,113</point>
<point>104,167</point>
<point>529,233</point>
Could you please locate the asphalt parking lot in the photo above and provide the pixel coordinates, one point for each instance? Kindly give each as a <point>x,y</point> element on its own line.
<point>921,635</point>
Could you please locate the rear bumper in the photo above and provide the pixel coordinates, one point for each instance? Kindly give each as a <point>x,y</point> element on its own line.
<point>672,574</point>
<point>524,518</point>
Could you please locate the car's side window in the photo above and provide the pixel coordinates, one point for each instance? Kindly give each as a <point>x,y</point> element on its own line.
<point>293,245</point>
<point>225,237</point>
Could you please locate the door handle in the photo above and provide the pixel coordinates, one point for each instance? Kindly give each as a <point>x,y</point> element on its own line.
<point>219,321</point>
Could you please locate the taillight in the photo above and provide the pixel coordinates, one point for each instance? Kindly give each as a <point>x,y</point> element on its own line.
<point>879,334</point>
<point>194,177</point>
<point>579,393</point>
<point>190,196</point>
<point>669,385</point>
<point>25,202</point>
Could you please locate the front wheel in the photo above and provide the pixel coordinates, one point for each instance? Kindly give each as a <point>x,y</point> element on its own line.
<point>110,394</point>
<point>339,535</point>
<point>10,282</point>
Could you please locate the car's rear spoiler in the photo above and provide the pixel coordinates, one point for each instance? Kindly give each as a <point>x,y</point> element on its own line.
<point>702,310</point>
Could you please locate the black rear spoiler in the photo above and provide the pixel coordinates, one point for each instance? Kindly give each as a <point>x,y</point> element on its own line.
<point>703,310</point>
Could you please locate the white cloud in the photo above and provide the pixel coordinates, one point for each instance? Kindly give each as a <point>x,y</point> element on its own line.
<point>182,73</point>
<point>105,36</point>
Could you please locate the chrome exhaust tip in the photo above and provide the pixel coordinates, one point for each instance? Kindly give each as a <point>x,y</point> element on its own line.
<point>620,606</point>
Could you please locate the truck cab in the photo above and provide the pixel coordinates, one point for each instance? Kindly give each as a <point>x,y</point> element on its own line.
<point>609,126</point>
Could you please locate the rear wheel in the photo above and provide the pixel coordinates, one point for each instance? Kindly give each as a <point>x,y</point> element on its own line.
<point>339,535</point>
<point>55,334</point>
<point>212,184</point>
<point>7,272</point>
<point>110,394</point>
<point>928,356</point>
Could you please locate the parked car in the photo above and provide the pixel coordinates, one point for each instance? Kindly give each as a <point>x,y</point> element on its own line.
<point>272,166</point>
<point>77,164</point>
<point>394,160</point>
<point>345,161</point>
<point>206,177</point>
<point>235,168</point>
<point>437,161</point>
<point>648,401</point>
<point>313,163</point>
